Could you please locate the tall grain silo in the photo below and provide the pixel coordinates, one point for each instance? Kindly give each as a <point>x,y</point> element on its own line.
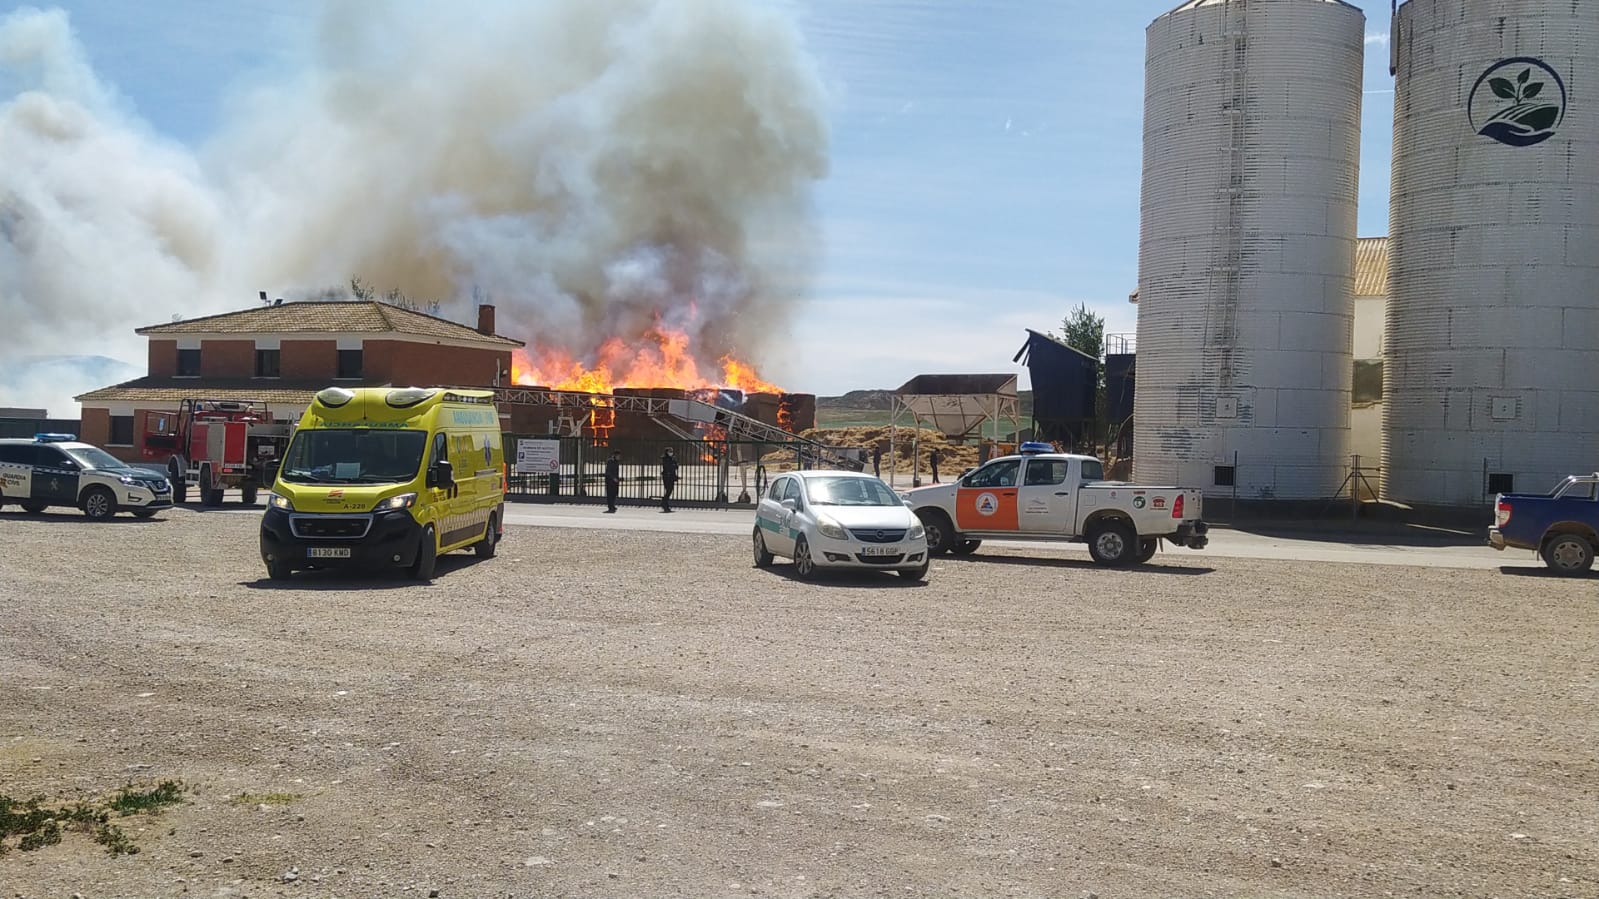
<point>1246,258</point>
<point>1492,361</point>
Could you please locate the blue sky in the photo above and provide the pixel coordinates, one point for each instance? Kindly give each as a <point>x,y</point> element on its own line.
<point>985,159</point>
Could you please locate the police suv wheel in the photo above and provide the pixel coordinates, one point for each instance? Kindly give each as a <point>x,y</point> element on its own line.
<point>144,513</point>
<point>32,507</point>
<point>99,504</point>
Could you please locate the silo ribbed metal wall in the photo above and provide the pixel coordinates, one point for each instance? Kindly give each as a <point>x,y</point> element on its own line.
<point>1493,328</point>
<point>1246,262</point>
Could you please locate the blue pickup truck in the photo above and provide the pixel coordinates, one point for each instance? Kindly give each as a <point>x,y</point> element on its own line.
<point>1562,527</point>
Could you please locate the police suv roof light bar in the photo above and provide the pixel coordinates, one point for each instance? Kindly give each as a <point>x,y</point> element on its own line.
<point>54,438</point>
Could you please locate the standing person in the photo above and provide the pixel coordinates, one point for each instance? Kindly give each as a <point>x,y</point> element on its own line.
<point>877,460</point>
<point>613,480</point>
<point>668,478</point>
<point>934,458</point>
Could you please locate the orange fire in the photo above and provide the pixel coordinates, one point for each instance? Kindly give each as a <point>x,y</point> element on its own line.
<point>662,358</point>
<point>601,421</point>
<point>785,414</point>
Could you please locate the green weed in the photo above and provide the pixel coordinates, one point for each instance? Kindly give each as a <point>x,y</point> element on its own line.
<point>37,826</point>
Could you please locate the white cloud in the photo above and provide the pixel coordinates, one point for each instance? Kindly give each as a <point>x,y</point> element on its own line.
<point>1377,38</point>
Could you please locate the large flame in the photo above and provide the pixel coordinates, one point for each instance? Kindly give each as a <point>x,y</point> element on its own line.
<point>661,358</point>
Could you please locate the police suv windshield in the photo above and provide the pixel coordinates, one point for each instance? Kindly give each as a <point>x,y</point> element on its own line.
<point>850,492</point>
<point>354,456</point>
<point>93,458</point>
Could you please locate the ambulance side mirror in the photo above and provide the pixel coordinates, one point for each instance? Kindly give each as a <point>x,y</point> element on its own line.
<point>441,475</point>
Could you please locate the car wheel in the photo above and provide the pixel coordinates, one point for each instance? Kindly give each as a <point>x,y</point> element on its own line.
<point>490,544</point>
<point>804,565</point>
<point>919,573</point>
<point>99,503</point>
<point>279,570</point>
<point>939,532</point>
<point>966,547</point>
<point>763,556</point>
<point>1147,547</point>
<point>32,507</point>
<point>1568,555</point>
<point>427,556</point>
<point>249,493</point>
<point>144,513</point>
<point>1112,543</point>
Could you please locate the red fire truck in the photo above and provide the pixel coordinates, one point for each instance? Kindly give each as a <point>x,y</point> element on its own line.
<point>214,445</point>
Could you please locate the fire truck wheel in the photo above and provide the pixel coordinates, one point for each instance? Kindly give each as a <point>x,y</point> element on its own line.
<point>249,494</point>
<point>763,556</point>
<point>427,556</point>
<point>99,503</point>
<point>490,544</point>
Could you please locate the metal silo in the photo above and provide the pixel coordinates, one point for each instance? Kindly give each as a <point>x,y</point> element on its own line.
<point>1492,363</point>
<point>1246,258</point>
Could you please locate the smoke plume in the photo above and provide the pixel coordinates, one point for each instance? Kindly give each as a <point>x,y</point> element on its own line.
<point>591,166</point>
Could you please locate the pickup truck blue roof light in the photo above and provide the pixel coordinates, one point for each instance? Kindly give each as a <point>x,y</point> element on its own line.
<point>54,438</point>
<point>1033,447</point>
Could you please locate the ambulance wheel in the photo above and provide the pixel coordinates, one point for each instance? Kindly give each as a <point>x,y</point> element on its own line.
<point>490,544</point>
<point>144,513</point>
<point>249,492</point>
<point>427,556</point>
<point>1147,546</point>
<point>279,571</point>
<point>763,556</point>
<point>966,547</point>
<point>939,537</point>
<point>31,507</point>
<point>99,504</point>
<point>1112,543</point>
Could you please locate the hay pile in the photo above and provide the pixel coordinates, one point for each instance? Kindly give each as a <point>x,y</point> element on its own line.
<point>953,457</point>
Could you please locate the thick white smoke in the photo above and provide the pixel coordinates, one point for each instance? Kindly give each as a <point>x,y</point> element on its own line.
<point>590,165</point>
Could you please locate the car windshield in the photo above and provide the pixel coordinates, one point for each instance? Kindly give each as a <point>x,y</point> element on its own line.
<point>850,492</point>
<point>354,456</point>
<point>95,458</point>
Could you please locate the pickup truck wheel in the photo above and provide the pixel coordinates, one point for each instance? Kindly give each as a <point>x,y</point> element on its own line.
<point>966,547</point>
<point>1112,543</point>
<point>1147,546</point>
<point>940,538</point>
<point>1569,555</point>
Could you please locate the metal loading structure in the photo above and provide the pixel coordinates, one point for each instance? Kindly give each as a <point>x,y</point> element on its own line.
<point>711,440</point>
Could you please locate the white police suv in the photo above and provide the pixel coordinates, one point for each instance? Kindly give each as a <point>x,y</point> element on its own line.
<point>56,470</point>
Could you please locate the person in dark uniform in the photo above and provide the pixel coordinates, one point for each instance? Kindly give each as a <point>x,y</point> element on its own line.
<point>668,478</point>
<point>935,458</point>
<point>613,480</point>
<point>877,460</point>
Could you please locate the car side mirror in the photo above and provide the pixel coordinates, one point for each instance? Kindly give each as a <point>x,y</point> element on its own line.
<point>791,504</point>
<point>441,475</point>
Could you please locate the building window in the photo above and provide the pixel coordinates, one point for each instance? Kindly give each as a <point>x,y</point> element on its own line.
<point>266,363</point>
<point>121,431</point>
<point>1500,482</point>
<point>188,363</point>
<point>349,364</point>
<point>1226,476</point>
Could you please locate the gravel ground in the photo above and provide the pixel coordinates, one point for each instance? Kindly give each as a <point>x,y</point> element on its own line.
<point>644,714</point>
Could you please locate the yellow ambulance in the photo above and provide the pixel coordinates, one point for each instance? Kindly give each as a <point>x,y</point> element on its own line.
<point>387,477</point>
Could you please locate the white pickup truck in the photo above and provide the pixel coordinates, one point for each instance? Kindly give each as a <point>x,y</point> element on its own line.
<point>1057,496</point>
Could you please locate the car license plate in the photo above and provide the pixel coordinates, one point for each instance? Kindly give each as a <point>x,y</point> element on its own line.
<point>880,551</point>
<point>328,552</point>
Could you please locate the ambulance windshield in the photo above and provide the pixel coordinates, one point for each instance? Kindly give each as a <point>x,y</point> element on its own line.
<point>354,456</point>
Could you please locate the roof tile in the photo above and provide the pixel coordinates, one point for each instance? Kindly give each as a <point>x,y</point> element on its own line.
<point>345,316</point>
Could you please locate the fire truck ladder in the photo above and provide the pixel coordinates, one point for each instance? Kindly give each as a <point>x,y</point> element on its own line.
<point>681,417</point>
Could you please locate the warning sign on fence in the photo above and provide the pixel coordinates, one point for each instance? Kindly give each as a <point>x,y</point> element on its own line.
<point>538,457</point>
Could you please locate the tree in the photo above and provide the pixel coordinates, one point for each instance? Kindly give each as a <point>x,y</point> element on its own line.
<point>1084,331</point>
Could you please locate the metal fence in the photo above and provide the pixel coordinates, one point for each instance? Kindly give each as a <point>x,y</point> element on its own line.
<point>710,473</point>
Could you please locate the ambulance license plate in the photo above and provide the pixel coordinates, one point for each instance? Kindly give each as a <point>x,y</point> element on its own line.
<point>880,551</point>
<point>328,552</point>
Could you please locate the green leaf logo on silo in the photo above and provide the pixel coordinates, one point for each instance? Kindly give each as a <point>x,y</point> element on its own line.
<point>1518,102</point>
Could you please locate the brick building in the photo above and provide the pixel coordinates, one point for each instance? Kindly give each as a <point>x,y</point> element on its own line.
<point>282,355</point>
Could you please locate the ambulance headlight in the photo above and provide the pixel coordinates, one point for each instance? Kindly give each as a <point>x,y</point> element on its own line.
<point>918,532</point>
<point>278,501</point>
<point>395,503</point>
<point>831,529</point>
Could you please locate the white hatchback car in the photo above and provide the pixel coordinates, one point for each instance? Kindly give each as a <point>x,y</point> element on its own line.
<point>838,519</point>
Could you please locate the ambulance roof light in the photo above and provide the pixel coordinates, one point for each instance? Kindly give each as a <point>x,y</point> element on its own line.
<point>334,397</point>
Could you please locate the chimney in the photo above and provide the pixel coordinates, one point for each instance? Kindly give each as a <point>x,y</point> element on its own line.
<point>485,320</point>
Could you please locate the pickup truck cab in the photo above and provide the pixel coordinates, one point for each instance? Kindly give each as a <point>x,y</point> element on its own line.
<point>1562,527</point>
<point>1043,495</point>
